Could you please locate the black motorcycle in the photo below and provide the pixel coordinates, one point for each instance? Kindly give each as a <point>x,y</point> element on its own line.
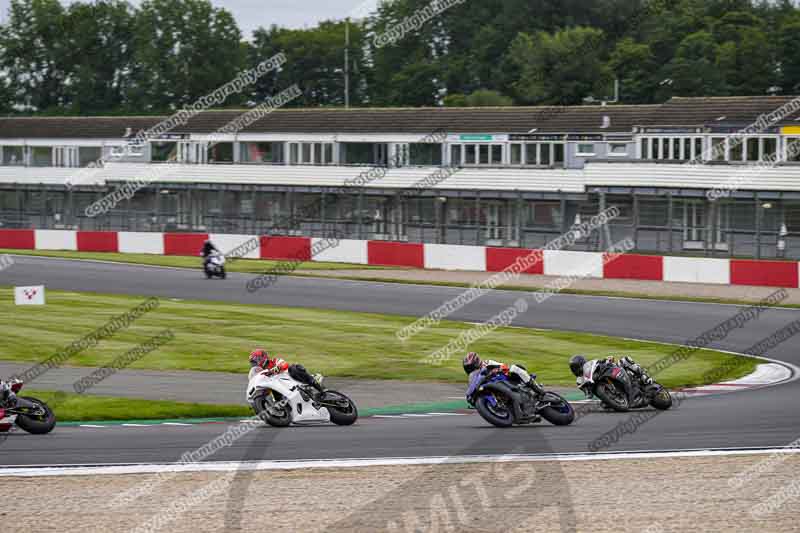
<point>617,389</point>
<point>503,400</point>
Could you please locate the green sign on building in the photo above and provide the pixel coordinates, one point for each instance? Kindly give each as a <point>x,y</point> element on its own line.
<point>477,137</point>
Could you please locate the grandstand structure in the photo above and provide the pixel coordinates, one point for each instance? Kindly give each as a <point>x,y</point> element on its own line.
<point>717,177</point>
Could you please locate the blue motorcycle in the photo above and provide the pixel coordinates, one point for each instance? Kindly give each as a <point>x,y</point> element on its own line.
<point>503,400</point>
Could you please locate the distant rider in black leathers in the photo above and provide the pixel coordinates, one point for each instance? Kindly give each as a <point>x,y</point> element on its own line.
<point>578,362</point>
<point>208,249</point>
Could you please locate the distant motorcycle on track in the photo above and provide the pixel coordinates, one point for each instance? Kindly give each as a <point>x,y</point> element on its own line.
<point>283,399</point>
<point>503,400</point>
<point>214,266</point>
<point>28,413</point>
<point>621,391</point>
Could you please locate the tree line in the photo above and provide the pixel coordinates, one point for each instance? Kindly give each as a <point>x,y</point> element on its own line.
<point>109,57</point>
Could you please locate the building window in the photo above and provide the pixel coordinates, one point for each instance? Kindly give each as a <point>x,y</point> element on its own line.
<point>220,153</point>
<point>497,154</point>
<point>792,149</point>
<point>753,149</point>
<point>42,156</point>
<point>164,152</point>
<point>558,153</point>
<point>718,149</point>
<point>770,148</point>
<point>532,154</point>
<point>455,155</point>
<point>618,149</point>
<point>306,151</point>
<point>89,154</point>
<point>544,154</point>
<point>585,150</point>
<point>484,154</point>
<point>255,152</point>
<point>294,154</point>
<point>355,153</point>
<point>425,154</point>
<point>470,157</point>
<point>516,154</point>
<point>737,149</point>
<point>13,156</point>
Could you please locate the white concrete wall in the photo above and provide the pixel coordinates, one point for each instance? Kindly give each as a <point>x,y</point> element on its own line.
<point>141,243</point>
<point>229,243</point>
<point>453,257</point>
<point>581,264</point>
<point>347,251</point>
<point>697,270</point>
<point>56,240</point>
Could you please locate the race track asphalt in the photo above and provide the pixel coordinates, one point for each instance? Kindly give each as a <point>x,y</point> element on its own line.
<point>756,418</point>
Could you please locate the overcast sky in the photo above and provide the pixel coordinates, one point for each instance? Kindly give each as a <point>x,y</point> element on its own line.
<point>250,14</point>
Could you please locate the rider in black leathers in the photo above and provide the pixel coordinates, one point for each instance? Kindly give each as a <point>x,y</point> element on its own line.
<point>208,249</point>
<point>578,362</point>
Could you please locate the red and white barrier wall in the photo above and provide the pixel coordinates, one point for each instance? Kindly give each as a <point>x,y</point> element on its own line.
<point>430,256</point>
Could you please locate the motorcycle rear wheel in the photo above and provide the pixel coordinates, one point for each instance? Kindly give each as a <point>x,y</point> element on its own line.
<point>341,417</point>
<point>496,415</point>
<point>262,404</point>
<point>613,395</point>
<point>564,415</point>
<point>37,425</point>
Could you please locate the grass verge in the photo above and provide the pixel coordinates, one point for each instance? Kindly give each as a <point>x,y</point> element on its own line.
<point>70,407</point>
<point>212,336</point>
<point>175,261</point>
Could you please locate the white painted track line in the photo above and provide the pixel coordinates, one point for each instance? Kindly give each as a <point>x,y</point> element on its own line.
<point>233,466</point>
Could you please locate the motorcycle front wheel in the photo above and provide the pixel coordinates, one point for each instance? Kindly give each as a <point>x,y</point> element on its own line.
<point>559,412</point>
<point>40,424</point>
<point>662,400</point>
<point>265,408</point>
<point>497,413</point>
<point>345,412</point>
<point>613,395</point>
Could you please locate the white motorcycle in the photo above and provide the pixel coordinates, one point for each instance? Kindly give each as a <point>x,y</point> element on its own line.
<point>281,400</point>
<point>214,266</point>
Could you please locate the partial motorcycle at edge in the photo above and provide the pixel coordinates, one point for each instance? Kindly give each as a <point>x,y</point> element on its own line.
<point>27,413</point>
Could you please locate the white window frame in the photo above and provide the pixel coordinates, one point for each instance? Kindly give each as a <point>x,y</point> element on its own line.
<point>579,153</point>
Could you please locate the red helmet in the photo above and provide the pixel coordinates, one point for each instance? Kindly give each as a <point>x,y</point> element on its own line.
<point>259,357</point>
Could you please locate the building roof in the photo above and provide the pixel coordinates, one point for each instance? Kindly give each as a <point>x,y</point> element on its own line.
<point>733,111</point>
<point>724,110</point>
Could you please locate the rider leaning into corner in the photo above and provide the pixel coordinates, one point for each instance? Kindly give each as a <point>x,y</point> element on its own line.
<point>473,362</point>
<point>261,361</point>
<point>579,366</point>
